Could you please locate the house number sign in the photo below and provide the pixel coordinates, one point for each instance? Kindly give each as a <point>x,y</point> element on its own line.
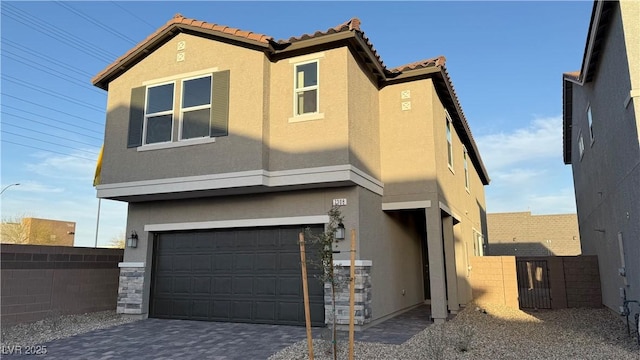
<point>339,202</point>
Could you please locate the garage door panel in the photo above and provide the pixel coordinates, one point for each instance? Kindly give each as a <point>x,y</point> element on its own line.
<point>201,285</point>
<point>221,309</point>
<point>181,308</point>
<point>201,263</point>
<point>200,309</point>
<point>242,285</point>
<point>242,310</point>
<point>265,286</point>
<point>162,307</point>
<point>290,286</point>
<point>225,240</point>
<point>265,311</point>
<point>223,261</point>
<point>240,275</point>
<point>266,262</point>
<point>164,263</point>
<point>182,263</point>
<point>289,262</point>
<point>222,285</point>
<point>267,238</point>
<point>289,311</point>
<point>182,285</point>
<point>243,261</point>
<point>247,239</point>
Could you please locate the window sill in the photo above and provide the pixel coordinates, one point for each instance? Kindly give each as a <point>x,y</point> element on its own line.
<point>451,169</point>
<point>181,143</point>
<point>306,117</point>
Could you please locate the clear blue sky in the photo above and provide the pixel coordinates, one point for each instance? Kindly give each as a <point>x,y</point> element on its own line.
<point>506,61</point>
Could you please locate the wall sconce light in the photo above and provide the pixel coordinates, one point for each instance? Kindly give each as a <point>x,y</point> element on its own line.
<point>132,240</point>
<point>340,232</point>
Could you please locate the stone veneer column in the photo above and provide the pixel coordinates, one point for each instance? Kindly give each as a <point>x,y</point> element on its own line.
<point>362,293</point>
<point>130,288</point>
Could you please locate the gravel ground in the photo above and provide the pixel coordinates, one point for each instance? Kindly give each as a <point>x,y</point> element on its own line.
<point>500,333</point>
<point>59,327</point>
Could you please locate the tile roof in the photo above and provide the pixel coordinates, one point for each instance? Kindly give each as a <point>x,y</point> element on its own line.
<point>179,20</point>
<point>437,61</point>
<point>574,75</point>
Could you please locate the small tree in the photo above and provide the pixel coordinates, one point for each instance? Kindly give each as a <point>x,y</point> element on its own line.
<point>23,230</point>
<point>117,241</point>
<point>324,243</point>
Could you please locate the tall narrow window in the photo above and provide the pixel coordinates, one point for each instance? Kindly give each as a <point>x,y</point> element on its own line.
<point>196,108</point>
<point>449,143</point>
<point>581,145</point>
<point>478,243</point>
<point>590,119</point>
<point>158,120</point>
<point>306,88</point>
<point>466,169</point>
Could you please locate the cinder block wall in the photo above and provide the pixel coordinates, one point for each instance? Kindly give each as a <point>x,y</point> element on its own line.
<point>582,281</point>
<point>37,281</point>
<point>523,234</point>
<point>493,280</point>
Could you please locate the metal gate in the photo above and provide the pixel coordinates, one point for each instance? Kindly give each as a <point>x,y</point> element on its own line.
<point>534,291</point>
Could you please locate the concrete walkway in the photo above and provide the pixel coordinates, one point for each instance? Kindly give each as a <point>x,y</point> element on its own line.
<point>182,339</point>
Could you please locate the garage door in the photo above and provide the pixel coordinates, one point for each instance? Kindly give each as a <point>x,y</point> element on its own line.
<point>238,275</point>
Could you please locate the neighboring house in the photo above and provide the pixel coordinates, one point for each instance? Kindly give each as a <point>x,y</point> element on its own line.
<point>226,143</point>
<point>36,231</point>
<point>601,132</point>
<point>523,234</point>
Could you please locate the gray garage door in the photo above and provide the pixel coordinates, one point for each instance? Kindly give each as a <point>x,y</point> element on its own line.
<point>239,275</point>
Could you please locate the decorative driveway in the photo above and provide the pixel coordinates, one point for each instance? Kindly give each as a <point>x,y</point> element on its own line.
<point>183,339</point>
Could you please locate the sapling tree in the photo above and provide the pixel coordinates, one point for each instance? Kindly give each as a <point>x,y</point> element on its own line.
<point>324,243</point>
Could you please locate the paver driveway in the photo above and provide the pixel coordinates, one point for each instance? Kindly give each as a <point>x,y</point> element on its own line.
<point>183,339</point>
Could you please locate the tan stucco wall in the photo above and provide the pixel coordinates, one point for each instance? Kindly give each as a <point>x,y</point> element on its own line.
<point>391,241</point>
<point>313,143</point>
<point>364,123</point>
<point>523,234</point>
<point>241,150</point>
<point>406,141</point>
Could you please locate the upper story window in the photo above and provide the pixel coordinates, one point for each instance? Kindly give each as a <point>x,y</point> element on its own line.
<point>590,119</point>
<point>196,108</point>
<point>466,169</point>
<point>449,143</point>
<point>306,88</point>
<point>202,110</point>
<point>158,119</point>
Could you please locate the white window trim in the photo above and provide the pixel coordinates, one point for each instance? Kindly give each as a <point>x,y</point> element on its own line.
<point>306,88</point>
<point>168,112</point>
<point>465,157</point>
<point>590,123</point>
<point>581,148</point>
<point>181,143</point>
<point>194,108</point>
<point>449,131</point>
<point>478,247</point>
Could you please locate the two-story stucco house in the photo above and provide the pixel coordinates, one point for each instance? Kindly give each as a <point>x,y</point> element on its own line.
<point>601,142</point>
<point>226,143</point>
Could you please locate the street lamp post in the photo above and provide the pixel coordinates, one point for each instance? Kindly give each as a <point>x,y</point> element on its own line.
<point>8,186</point>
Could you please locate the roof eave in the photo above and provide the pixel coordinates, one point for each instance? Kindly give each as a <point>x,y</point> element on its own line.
<point>118,68</point>
<point>567,119</point>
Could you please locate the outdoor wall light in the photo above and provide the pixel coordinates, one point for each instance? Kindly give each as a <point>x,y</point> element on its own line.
<point>132,240</point>
<point>340,232</point>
